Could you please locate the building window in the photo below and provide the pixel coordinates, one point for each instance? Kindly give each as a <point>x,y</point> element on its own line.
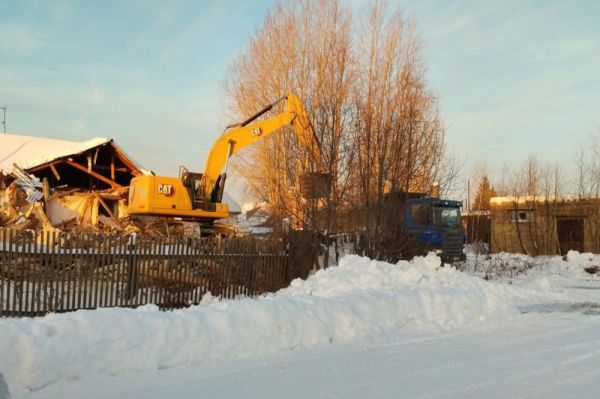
<point>521,216</point>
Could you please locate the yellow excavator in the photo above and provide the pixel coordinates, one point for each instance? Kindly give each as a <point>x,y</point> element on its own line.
<point>197,196</point>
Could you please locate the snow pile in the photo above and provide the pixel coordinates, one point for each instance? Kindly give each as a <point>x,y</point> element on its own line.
<point>359,298</point>
<point>526,281</point>
<point>509,265</point>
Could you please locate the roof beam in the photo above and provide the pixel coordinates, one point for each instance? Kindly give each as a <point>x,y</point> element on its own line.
<point>94,174</point>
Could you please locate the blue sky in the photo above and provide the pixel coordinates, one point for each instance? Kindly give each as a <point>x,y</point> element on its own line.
<point>513,77</point>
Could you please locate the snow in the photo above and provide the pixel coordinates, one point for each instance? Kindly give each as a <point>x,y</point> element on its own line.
<point>525,199</point>
<point>254,218</point>
<point>362,302</point>
<point>29,151</point>
<point>535,356</point>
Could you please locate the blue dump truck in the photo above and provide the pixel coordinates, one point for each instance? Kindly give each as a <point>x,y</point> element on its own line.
<point>403,225</point>
<point>433,224</point>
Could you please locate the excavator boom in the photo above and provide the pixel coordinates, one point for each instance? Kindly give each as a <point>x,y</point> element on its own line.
<point>239,136</point>
<point>198,196</point>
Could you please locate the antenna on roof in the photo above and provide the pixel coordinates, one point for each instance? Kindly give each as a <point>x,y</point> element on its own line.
<point>4,119</point>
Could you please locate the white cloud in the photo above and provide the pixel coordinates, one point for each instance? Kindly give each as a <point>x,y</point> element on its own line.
<point>95,95</point>
<point>17,40</point>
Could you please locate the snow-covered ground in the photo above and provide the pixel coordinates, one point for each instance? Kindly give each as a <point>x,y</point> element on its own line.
<point>363,329</point>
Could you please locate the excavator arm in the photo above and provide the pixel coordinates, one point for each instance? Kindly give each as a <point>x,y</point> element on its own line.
<point>196,196</point>
<point>237,137</point>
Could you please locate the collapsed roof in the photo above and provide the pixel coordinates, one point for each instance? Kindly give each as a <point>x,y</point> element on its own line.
<point>96,163</point>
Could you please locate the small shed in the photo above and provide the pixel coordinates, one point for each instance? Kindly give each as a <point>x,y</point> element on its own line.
<point>545,225</point>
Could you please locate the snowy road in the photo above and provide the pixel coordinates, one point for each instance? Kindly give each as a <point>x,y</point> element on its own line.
<point>537,355</point>
<point>365,329</point>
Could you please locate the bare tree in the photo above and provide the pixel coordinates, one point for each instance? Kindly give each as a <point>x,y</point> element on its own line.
<point>397,134</point>
<point>378,124</point>
<point>587,161</point>
<point>304,47</point>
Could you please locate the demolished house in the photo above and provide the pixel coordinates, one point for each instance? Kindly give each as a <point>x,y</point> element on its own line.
<point>54,184</point>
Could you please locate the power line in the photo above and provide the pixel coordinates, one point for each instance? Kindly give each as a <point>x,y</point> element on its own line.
<point>4,119</point>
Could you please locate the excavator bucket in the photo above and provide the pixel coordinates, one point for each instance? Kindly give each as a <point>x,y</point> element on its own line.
<point>315,185</point>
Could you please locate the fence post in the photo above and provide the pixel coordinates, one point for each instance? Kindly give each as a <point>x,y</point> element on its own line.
<point>132,272</point>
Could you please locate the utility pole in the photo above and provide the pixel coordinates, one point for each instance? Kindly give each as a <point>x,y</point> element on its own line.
<point>468,195</point>
<point>4,119</point>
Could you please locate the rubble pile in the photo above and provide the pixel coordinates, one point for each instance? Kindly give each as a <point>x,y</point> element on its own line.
<point>50,185</point>
<point>28,203</point>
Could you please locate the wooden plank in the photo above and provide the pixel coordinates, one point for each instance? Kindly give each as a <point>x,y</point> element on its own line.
<point>104,264</point>
<point>28,269</point>
<point>56,251</point>
<point>52,292</point>
<point>144,262</point>
<point>187,275</point>
<point>92,263</point>
<point>45,189</point>
<point>115,267</point>
<point>116,286</point>
<point>190,279</point>
<point>178,275</point>
<point>182,269</point>
<point>60,265</point>
<point>3,256</point>
<point>200,258</point>
<point>250,270</point>
<point>112,167</point>
<point>94,174</point>
<point>166,251</point>
<point>83,263</point>
<point>123,158</point>
<point>160,250</point>
<point>96,271</point>
<point>193,271</point>
<point>99,272</point>
<point>78,271</point>
<point>69,262</point>
<point>11,282</point>
<point>107,209</point>
<point>39,272</point>
<point>59,194</point>
<point>89,261</point>
<point>63,264</point>
<point>123,275</point>
<point>54,171</point>
<point>224,268</point>
<point>157,265</point>
<point>45,274</point>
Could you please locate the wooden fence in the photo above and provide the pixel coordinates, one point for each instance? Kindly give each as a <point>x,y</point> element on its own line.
<point>43,272</point>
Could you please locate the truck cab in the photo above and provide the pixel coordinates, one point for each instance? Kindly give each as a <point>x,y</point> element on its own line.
<point>434,225</point>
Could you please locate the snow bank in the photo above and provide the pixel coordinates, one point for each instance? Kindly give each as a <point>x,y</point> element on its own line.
<point>356,299</point>
<point>525,280</point>
<point>509,265</point>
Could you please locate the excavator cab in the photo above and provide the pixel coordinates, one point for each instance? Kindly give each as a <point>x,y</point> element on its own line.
<point>192,181</point>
